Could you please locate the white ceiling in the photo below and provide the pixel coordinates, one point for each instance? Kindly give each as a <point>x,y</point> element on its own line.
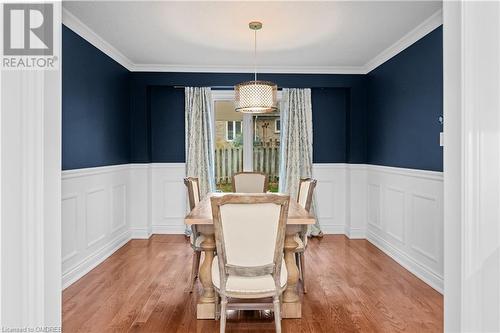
<point>301,35</point>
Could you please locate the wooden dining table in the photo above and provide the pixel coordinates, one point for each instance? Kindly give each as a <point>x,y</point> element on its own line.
<point>201,216</point>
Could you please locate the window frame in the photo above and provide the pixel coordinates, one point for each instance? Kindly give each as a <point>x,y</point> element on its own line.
<point>246,126</point>
<point>276,129</point>
<point>235,132</point>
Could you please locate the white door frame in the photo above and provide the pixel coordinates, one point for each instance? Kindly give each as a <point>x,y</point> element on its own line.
<point>30,200</point>
<point>471,166</point>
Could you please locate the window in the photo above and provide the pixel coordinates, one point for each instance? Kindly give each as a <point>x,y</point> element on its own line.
<point>244,142</point>
<point>229,130</point>
<point>233,130</point>
<point>266,147</point>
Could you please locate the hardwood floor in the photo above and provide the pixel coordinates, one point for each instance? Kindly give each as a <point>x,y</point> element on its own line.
<point>352,287</point>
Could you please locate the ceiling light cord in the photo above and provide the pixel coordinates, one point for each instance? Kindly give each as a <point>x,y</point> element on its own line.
<point>255,56</point>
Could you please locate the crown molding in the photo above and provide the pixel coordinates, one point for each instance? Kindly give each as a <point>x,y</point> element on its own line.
<point>410,38</point>
<point>72,22</point>
<point>247,69</point>
<point>434,21</point>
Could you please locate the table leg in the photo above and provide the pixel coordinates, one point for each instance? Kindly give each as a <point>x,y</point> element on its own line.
<point>291,306</point>
<point>206,303</point>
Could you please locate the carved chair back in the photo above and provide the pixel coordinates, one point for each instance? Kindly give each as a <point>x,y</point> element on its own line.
<point>250,182</point>
<point>250,234</point>
<point>193,189</point>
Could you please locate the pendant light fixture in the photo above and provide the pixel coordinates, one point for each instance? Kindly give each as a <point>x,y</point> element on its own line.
<point>255,96</point>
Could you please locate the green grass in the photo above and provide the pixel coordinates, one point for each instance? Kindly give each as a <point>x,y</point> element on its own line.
<point>273,187</point>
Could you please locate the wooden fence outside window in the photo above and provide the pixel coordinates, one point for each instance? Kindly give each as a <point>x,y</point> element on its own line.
<point>229,161</point>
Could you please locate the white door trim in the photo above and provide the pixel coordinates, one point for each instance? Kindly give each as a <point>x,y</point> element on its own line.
<point>471,165</point>
<point>30,178</point>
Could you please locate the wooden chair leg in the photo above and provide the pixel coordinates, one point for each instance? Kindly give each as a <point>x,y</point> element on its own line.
<point>217,306</point>
<point>277,314</point>
<point>303,271</point>
<point>297,261</point>
<point>223,305</point>
<point>198,257</point>
<point>194,269</point>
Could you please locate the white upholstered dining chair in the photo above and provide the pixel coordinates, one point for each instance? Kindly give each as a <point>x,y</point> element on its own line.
<point>193,190</point>
<point>250,182</point>
<point>249,235</point>
<point>304,198</point>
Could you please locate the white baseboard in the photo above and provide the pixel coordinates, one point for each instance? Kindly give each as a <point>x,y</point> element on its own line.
<point>332,229</point>
<point>416,268</point>
<point>140,233</point>
<point>355,233</point>
<point>169,229</point>
<point>94,259</point>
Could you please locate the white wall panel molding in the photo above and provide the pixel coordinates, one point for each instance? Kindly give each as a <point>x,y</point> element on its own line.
<point>95,218</point>
<point>168,198</point>
<point>94,258</point>
<point>405,219</point>
<point>356,201</point>
<point>118,207</point>
<point>410,263</point>
<point>330,196</point>
<point>415,173</point>
<point>85,172</point>
<point>139,196</point>
<point>398,210</point>
<point>70,227</point>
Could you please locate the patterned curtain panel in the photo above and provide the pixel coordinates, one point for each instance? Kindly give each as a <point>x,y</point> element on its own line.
<point>199,137</point>
<point>296,142</point>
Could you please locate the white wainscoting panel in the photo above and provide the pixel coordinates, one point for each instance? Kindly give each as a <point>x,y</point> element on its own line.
<point>168,198</point>
<point>139,198</point>
<point>356,201</point>
<point>405,219</point>
<point>95,222</point>
<point>398,210</point>
<point>330,196</point>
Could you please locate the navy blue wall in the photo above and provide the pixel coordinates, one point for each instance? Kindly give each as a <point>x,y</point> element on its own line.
<point>95,106</point>
<point>405,100</point>
<point>330,125</point>
<point>167,124</point>
<point>157,113</point>
<point>388,117</point>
